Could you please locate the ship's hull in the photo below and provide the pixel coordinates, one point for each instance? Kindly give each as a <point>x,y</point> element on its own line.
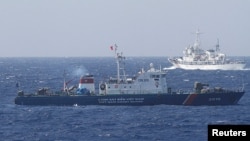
<point>229,98</point>
<point>209,66</point>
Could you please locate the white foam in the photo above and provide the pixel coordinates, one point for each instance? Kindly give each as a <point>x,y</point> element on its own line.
<point>170,68</point>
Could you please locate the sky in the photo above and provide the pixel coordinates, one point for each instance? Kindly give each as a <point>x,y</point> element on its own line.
<point>87,28</point>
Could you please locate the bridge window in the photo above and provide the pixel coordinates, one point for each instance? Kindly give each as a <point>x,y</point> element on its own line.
<point>155,76</point>
<point>143,80</point>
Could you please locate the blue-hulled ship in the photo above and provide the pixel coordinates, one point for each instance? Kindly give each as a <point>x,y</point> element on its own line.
<point>148,87</point>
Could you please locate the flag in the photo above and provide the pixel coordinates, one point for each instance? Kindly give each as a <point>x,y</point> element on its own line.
<point>113,47</point>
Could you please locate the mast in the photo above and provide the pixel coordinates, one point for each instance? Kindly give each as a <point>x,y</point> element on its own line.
<point>120,64</point>
<point>197,40</point>
<point>64,82</point>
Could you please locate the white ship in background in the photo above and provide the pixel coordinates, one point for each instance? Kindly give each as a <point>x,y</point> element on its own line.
<point>195,57</point>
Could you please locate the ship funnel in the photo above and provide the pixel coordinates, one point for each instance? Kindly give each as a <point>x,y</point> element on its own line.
<point>87,82</point>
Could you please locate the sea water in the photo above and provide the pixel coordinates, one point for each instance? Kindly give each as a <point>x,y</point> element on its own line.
<point>111,123</point>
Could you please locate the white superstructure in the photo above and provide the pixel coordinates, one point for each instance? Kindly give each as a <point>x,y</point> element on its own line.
<point>195,57</point>
<point>152,81</point>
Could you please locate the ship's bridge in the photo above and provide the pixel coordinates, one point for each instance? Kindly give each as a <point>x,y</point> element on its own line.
<point>147,82</point>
